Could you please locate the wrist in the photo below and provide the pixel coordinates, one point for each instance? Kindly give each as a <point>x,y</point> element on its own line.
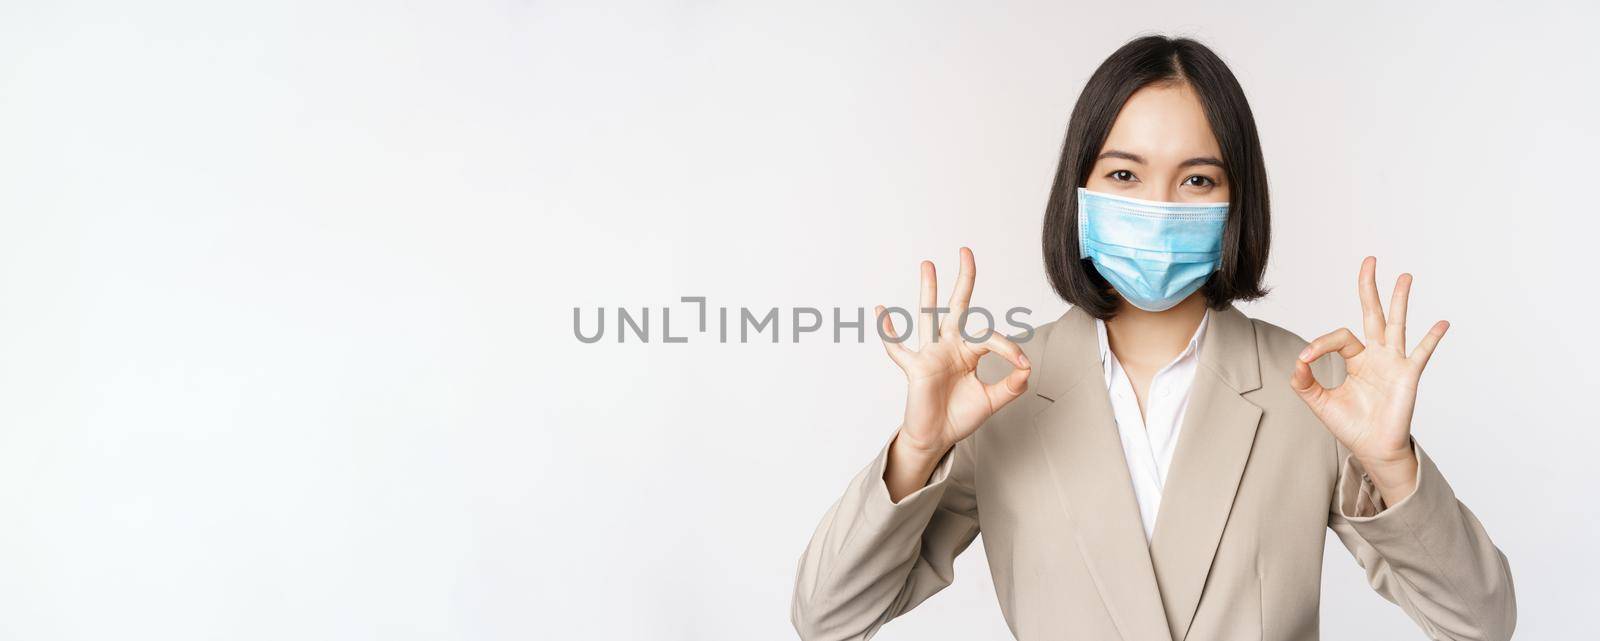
<point>1390,459</point>
<point>908,466</point>
<point>1393,475</point>
<point>910,448</point>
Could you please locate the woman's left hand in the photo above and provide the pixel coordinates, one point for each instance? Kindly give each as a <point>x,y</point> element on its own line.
<point>1370,412</point>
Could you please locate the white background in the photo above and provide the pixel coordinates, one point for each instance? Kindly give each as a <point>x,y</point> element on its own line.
<point>286,291</point>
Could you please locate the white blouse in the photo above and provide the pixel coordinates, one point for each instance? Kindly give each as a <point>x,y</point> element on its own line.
<point>1148,441</point>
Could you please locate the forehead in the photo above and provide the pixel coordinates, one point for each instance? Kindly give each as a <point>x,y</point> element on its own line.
<point>1163,122</point>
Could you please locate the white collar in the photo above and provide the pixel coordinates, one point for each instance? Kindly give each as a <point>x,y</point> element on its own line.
<point>1192,348</point>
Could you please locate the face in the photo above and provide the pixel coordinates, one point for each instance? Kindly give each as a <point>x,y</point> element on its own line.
<point>1161,148</point>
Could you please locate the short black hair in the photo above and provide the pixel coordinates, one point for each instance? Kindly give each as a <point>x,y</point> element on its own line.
<point>1143,62</point>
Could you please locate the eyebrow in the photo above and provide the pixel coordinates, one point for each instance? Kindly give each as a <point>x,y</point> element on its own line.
<point>1192,162</point>
<point>1113,153</point>
<point>1202,160</point>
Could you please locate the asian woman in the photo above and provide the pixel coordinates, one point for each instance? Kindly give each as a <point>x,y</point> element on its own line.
<point>1155,464</point>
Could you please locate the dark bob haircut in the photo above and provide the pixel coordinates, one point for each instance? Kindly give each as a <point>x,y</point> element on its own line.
<point>1153,60</point>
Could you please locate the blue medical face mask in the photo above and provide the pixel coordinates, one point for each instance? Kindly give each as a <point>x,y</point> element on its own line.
<point>1156,254</point>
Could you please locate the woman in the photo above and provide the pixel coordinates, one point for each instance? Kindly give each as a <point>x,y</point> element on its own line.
<point>1154,464</point>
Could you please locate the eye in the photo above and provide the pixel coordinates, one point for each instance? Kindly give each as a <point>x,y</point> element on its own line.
<point>1199,181</point>
<point>1122,176</point>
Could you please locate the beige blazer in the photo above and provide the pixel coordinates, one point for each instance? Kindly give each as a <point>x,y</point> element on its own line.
<point>1254,486</point>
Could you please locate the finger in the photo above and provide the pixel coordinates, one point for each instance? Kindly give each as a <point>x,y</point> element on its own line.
<point>1007,389</point>
<point>1004,347</point>
<point>1424,350</point>
<point>1371,308</point>
<point>897,350</point>
<point>1341,340</point>
<point>962,296</point>
<point>929,298</point>
<point>1394,333</point>
<point>1306,385</point>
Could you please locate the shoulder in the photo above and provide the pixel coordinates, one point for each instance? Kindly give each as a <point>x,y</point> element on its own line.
<point>1273,341</point>
<point>1279,348</point>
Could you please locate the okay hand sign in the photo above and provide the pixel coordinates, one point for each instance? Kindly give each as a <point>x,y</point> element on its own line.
<point>945,401</point>
<point>1370,412</point>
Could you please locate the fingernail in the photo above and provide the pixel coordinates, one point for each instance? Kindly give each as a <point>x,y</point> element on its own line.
<point>1305,353</point>
<point>1023,358</point>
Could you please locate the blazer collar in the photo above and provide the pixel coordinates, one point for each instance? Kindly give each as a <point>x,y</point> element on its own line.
<point>1229,349</point>
<point>1072,350</point>
<point>1151,590</point>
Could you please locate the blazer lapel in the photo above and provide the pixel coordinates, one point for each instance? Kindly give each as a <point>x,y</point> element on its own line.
<point>1084,451</point>
<point>1219,428</point>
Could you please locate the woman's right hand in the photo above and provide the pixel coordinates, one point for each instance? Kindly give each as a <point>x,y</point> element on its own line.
<point>945,401</point>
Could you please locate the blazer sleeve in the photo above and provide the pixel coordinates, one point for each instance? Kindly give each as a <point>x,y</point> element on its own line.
<point>1428,553</point>
<point>872,559</point>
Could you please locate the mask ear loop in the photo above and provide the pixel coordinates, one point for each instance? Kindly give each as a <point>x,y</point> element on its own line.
<point>1083,244</point>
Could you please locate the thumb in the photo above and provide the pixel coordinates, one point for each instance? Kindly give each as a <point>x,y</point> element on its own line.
<point>1306,385</point>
